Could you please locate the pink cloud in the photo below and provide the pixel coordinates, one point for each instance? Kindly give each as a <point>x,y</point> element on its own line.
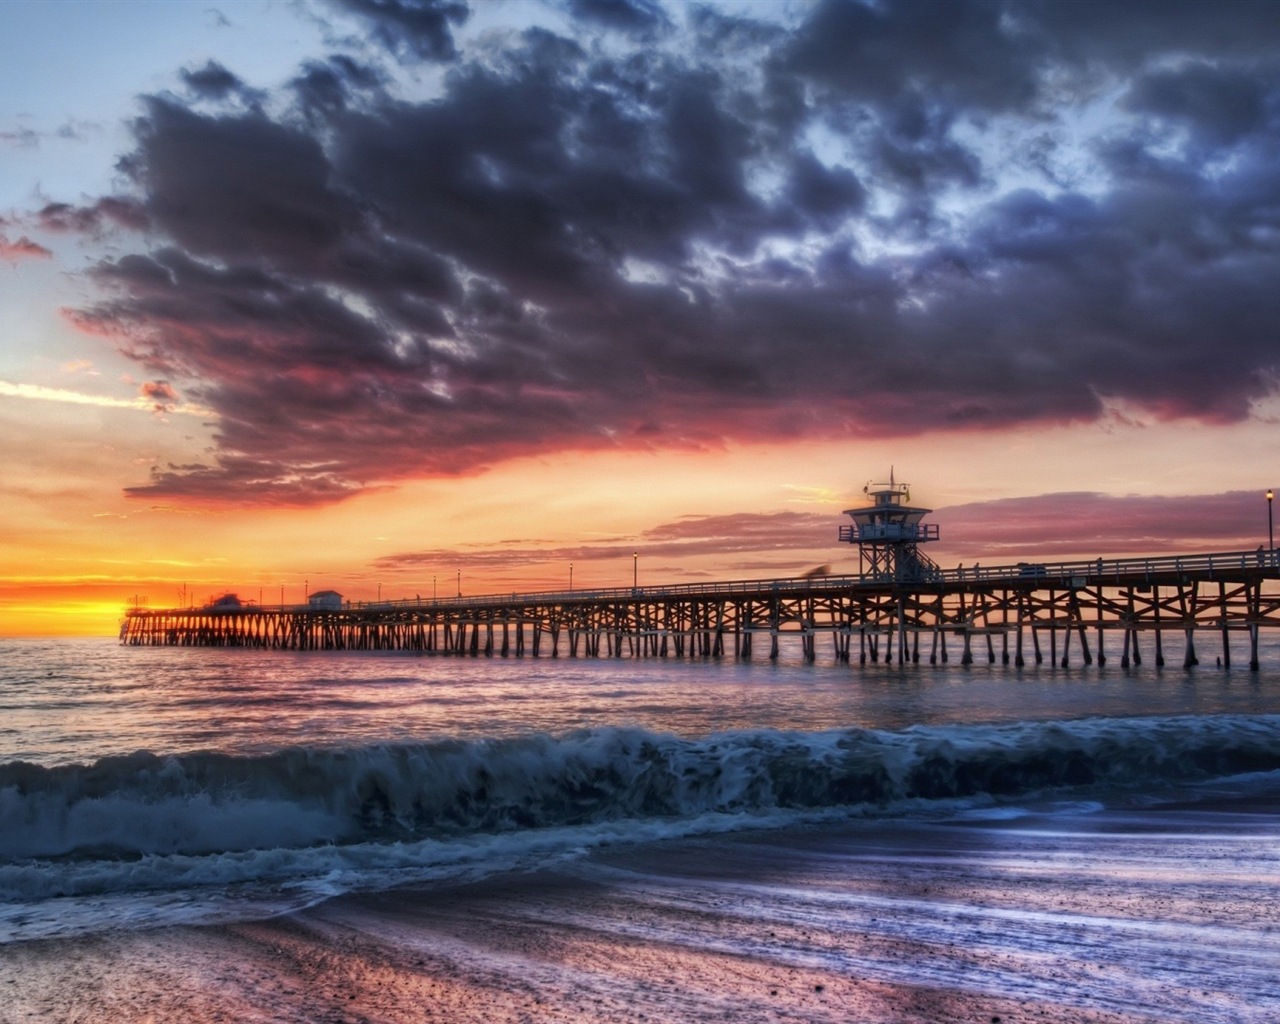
<point>22,249</point>
<point>1047,527</point>
<point>160,393</point>
<point>772,534</point>
<point>1085,524</point>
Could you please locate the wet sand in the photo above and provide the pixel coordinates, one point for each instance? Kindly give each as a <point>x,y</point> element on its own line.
<point>874,922</point>
<point>466,956</point>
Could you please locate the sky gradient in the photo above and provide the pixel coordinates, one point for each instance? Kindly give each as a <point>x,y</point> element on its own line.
<point>375,292</point>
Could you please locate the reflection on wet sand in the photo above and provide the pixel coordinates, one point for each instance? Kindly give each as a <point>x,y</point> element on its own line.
<point>1084,915</point>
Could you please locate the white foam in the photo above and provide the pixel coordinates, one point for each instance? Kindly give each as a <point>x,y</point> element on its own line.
<point>329,820</point>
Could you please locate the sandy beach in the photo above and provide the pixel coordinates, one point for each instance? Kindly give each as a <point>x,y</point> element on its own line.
<point>872,921</point>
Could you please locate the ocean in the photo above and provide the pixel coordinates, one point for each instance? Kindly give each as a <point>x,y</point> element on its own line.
<point>201,835</point>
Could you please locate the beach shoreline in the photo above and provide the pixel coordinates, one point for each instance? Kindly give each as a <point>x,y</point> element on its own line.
<point>874,921</point>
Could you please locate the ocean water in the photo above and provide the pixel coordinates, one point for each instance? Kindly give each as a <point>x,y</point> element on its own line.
<point>320,836</point>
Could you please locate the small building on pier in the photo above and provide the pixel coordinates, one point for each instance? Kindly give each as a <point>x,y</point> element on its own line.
<point>888,533</point>
<point>325,599</point>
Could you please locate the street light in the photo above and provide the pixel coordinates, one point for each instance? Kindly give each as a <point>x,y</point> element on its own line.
<point>433,588</point>
<point>571,577</point>
<point>459,582</point>
<point>1271,533</point>
<point>635,569</point>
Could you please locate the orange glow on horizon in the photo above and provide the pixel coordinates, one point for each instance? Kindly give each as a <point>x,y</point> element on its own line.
<point>77,552</point>
<point>64,617</point>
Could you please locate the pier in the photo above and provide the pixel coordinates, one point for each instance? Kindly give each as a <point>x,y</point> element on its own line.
<point>899,607</point>
<point>1176,608</point>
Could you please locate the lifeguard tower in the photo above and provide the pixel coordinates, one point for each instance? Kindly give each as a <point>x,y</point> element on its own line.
<point>887,534</point>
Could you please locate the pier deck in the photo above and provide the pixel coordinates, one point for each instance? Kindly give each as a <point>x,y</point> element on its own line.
<point>1031,611</point>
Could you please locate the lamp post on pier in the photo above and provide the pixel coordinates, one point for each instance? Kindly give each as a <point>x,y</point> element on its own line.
<point>1271,533</point>
<point>459,582</point>
<point>571,577</point>
<point>433,588</point>
<point>635,570</point>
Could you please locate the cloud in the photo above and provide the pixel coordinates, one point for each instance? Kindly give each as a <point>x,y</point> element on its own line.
<point>22,248</point>
<point>213,81</point>
<point>754,532</point>
<point>1082,524</point>
<point>24,138</point>
<point>94,218</point>
<point>420,28</point>
<point>791,537</point>
<point>327,87</point>
<point>1218,106</point>
<point>1047,527</point>
<point>873,220</point>
<point>634,17</point>
<point>966,53</point>
<point>160,394</point>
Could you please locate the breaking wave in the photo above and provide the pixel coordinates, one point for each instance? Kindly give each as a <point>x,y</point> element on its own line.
<point>147,821</point>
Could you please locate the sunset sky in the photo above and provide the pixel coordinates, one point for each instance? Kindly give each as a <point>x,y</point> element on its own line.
<point>371,293</point>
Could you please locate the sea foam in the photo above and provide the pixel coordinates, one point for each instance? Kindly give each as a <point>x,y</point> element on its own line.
<point>152,822</point>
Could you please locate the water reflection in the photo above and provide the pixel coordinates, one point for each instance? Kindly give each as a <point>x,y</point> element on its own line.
<point>77,700</point>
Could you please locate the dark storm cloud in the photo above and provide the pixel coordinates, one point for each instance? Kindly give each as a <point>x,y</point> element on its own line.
<point>237,187</point>
<point>1217,106</point>
<point>1139,32</point>
<point>884,219</point>
<point>329,86</point>
<point>636,17</point>
<point>422,28</point>
<point>825,195</point>
<point>962,53</point>
<point>212,81</point>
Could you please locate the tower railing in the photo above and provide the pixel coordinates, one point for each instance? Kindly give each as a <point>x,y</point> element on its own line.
<point>854,532</point>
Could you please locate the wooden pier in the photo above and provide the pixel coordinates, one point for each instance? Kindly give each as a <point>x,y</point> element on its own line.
<point>1167,609</point>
